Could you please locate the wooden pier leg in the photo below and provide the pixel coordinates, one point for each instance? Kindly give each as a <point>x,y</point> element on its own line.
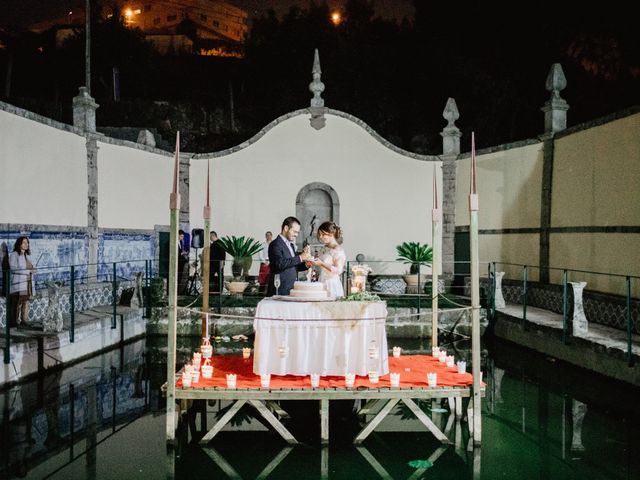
<point>458,401</point>
<point>324,463</point>
<point>324,421</point>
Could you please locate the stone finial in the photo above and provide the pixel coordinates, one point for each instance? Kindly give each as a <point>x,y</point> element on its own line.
<point>451,134</point>
<point>84,111</point>
<point>316,86</point>
<point>555,109</point>
<point>317,108</point>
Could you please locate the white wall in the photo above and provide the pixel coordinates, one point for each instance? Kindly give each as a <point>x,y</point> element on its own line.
<point>43,174</point>
<point>133,187</point>
<point>385,197</point>
<point>509,187</point>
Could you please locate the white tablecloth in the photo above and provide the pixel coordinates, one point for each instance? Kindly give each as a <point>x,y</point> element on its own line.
<point>328,338</point>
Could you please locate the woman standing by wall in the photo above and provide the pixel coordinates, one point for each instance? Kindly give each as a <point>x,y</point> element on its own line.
<point>21,290</point>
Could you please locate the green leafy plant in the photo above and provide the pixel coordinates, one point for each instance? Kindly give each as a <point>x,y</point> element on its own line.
<point>414,254</point>
<point>362,297</point>
<point>241,249</point>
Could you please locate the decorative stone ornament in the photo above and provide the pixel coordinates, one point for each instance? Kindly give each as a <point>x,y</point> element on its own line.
<point>317,108</point>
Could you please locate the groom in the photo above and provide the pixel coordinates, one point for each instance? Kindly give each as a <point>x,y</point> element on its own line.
<point>283,259</point>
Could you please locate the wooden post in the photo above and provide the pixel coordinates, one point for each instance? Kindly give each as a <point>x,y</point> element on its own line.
<point>475,297</point>
<point>206,256</point>
<point>174,205</point>
<point>436,244</point>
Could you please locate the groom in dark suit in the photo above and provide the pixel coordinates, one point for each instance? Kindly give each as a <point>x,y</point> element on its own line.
<point>283,259</point>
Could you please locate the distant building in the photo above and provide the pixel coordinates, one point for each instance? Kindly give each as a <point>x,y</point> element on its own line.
<point>200,27</point>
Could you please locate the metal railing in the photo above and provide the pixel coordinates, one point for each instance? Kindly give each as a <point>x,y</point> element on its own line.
<point>622,288</point>
<point>418,296</point>
<point>71,277</point>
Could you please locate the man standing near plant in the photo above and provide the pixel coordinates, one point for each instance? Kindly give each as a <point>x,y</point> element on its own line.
<point>283,259</point>
<point>217,257</point>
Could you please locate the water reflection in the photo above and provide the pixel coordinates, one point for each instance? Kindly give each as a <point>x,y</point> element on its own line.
<point>65,410</point>
<point>104,418</point>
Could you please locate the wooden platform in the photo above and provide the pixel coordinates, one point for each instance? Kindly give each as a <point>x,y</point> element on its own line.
<point>380,398</point>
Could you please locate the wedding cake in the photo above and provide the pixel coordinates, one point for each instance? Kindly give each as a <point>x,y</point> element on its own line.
<point>310,290</point>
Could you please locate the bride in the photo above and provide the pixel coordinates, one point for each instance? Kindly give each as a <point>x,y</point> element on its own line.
<point>332,260</point>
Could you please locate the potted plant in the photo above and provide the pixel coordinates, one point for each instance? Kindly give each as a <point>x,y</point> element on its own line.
<point>241,249</point>
<point>415,255</point>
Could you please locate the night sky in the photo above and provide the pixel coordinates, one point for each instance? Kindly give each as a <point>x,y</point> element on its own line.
<point>21,12</point>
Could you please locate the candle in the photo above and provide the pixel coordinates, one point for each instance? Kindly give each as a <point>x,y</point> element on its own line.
<point>451,361</point>
<point>186,379</point>
<point>207,369</point>
<point>396,352</point>
<point>374,377</point>
<point>432,379</point>
<point>246,352</point>
<point>462,366</point>
<point>315,380</point>
<point>395,379</point>
<point>265,380</point>
<point>349,379</point>
<point>231,380</point>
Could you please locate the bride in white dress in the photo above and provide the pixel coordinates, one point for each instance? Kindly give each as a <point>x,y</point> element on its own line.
<point>332,260</point>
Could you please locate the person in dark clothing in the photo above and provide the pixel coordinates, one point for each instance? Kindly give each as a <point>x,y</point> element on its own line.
<point>217,257</point>
<point>183,259</point>
<point>284,261</point>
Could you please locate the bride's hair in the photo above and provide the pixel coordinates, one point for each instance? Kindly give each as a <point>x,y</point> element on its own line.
<point>332,229</point>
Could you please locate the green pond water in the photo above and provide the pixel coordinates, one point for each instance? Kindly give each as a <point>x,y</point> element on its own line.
<point>104,418</point>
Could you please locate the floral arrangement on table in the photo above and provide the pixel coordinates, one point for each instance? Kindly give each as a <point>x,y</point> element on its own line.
<point>362,297</point>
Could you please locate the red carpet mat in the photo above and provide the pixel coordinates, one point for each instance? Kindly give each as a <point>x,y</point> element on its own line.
<point>413,371</point>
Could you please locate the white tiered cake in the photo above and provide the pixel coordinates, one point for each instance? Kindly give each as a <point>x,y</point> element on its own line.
<point>310,290</point>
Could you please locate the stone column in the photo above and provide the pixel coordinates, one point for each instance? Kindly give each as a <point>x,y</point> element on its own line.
<point>84,111</point>
<point>92,206</point>
<point>580,324</point>
<point>84,117</point>
<point>450,152</point>
<point>555,120</point>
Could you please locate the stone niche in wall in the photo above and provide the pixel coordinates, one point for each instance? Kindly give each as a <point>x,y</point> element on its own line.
<point>316,203</point>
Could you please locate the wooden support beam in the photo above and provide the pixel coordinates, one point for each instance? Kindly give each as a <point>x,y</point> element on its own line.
<point>266,471</point>
<point>273,421</point>
<point>373,461</point>
<point>418,474</point>
<point>384,411</point>
<point>426,421</point>
<point>222,422</point>
<point>368,407</point>
<point>275,406</point>
<point>222,463</point>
